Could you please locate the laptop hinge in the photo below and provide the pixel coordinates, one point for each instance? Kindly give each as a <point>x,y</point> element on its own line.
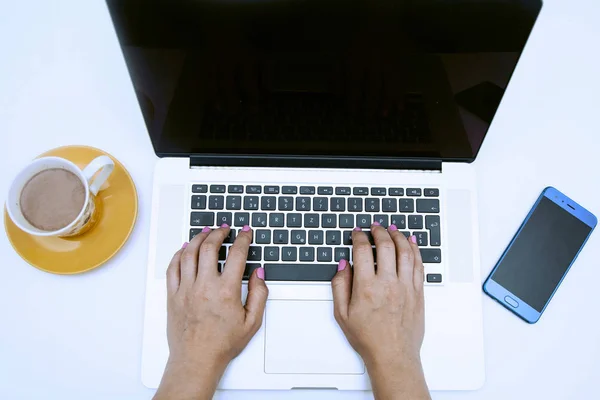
<point>219,160</point>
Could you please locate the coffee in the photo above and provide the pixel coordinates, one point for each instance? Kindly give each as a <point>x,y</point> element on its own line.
<point>52,199</point>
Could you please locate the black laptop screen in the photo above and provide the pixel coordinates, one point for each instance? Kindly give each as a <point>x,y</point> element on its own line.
<point>394,78</point>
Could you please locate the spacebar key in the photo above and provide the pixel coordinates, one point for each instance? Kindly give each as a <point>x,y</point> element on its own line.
<point>300,272</point>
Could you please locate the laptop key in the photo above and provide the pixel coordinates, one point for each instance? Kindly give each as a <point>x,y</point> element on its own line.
<point>370,237</point>
<point>249,270</point>
<point>253,189</point>
<point>389,205</point>
<point>217,188</point>
<point>346,221</point>
<point>432,256</point>
<point>378,191</point>
<point>241,219</point>
<point>311,220</point>
<point>235,189</point>
<point>259,219</point>
<point>421,238</point>
<point>399,221</point>
<point>320,204</point>
<point>432,222</point>
<point>325,190</point>
<point>360,191</point>
<point>223,253</point>
<point>289,254</point>
<point>272,189</point>
<point>250,202</point>
<point>405,233</point>
<point>329,221</point>
<point>342,253</point>
<point>216,202</point>
<point>286,203</point>
<point>307,190</point>
<point>271,253</point>
<point>315,237</point>
<point>233,203</point>
<point>280,236</point>
<point>324,254</point>
<point>415,222</point>
<point>263,236</point>
<point>434,278</point>
<point>307,254</point>
<point>202,219</point>
<point>193,233</point>
<point>338,204</point>
<point>432,192</point>
<point>407,205</point>
<point>268,203</point>
<point>298,237</point>
<point>363,221</point>
<point>343,191</point>
<point>333,238</point>
<point>347,238</point>
<point>254,253</point>
<point>231,237</point>
<point>294,220</point>
<point>302,203</point>
<point>431,206</point>
<point>289,190</point>
<point>382,219</point>
<point>413,192</point>
<point>276,220</point>
<point>224,218</point>
<point>198,202</point>
<point>199,188</point>
<point>355,204</point>
<point>372,205</point>
<point>300,272</point>
<point>396,192</point>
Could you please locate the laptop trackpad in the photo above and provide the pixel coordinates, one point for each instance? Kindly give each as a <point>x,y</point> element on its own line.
<point>302,337</point>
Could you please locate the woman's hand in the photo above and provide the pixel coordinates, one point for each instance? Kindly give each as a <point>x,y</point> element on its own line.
<point>381,311</point>
<point>207,324</point>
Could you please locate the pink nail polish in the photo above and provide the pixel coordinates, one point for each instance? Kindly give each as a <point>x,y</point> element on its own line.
<point>393,228</point>
<point>413,239</point>
<point>206,229</point>
<point>342,265</point>
<point>246,228</point>
<point>357,229</point>
<point>224,226</point>
<point>375,223</point>
<point>184,245</point>
<point>260,273</point>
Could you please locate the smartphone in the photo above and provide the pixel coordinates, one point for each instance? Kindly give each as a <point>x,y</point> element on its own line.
<point>540,255</point>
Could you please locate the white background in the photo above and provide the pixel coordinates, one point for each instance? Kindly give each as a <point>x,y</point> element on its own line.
<point>63,81</point>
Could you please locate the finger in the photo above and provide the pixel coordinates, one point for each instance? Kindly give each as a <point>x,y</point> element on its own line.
<point>189,258</point>
<point>238,255</point>
<point>386,251</point>
<point>208,257</point>
<point>256,299</point>
<point>174,271</point>
<point>362,254</point>
<point>341,286</point>
<point>404,255</point>
<point>419,269</point>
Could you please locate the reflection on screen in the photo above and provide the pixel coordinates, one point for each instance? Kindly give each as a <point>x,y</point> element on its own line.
<point>419,78</point>
<point>540,256</point>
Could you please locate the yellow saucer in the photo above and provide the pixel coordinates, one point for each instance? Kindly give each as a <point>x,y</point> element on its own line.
<point>92,249</point>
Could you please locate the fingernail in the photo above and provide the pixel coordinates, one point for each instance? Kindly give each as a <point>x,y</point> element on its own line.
<point>413,239</point>
<point>224,226</point>
<point>246,228</point>
<point>376,223</point>
<point>184,245</point>
<point>206,229</point>
<point>357,229</point>
<point>393,227</point>
<point>260,272</point>
<point>342,265</point>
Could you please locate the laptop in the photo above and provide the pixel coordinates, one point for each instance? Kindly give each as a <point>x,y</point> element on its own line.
<point>305,119</point>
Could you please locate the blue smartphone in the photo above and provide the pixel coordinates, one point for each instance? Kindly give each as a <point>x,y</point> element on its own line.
<point>540,255</point>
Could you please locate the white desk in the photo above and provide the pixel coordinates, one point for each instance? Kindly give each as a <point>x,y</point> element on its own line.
<point>63,81</point>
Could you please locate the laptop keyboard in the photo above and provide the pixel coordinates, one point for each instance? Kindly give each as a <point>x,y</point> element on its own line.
<point>302,232</point>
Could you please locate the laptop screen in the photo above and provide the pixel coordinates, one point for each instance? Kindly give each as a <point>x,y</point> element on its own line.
<point>361,78</point>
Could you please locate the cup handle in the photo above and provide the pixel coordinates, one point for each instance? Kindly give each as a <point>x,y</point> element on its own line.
<point>103,166</point>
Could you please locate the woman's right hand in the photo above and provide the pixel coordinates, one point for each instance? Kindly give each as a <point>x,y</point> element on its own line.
<point>381,311</point>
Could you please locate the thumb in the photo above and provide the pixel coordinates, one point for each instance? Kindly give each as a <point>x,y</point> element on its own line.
<point>257,298</point>
<point>341,285</point>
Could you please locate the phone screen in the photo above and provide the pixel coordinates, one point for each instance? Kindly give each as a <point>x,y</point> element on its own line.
<point>539,257</point>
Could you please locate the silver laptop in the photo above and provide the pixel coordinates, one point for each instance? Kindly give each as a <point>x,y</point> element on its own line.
<point>305,119</point>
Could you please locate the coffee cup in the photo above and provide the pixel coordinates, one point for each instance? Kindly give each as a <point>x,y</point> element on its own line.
<point>82,186</point>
